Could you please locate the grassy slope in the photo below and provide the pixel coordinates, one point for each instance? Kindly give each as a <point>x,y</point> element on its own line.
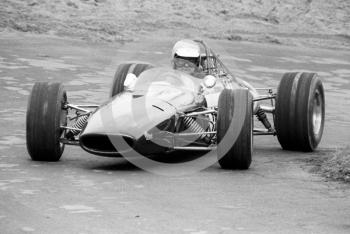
<point>316,23</point>
<point>338,166</point>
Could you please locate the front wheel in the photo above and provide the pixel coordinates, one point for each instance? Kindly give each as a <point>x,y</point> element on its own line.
<point>300,111</point>
<point>235,129</point>
<point>46,113</point>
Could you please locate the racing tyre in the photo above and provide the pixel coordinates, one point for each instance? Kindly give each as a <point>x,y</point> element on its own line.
<point>121,73</point>
<point>300,111</point>
<point>235,146</point>
<point>45,114</point>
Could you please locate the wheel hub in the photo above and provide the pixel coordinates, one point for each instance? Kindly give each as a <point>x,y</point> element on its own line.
<point>317,113</point>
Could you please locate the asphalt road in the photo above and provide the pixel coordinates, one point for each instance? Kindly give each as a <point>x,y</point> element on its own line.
<point>83,193</point>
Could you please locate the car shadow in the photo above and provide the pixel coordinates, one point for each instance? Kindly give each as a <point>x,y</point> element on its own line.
<point>119,165</point>
<point>122,164</point>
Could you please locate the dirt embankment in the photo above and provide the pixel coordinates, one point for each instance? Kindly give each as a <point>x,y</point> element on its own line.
<point>319,23</point>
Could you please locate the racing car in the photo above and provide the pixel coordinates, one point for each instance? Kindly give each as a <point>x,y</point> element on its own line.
<point>156,110</point>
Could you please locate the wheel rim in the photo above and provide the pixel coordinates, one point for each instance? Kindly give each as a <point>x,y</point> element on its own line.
<point>317,116</point>
<point>63,118</point>
<point>251,134</point>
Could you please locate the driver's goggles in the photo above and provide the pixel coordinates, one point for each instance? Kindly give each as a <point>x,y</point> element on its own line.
<point>180,62</point>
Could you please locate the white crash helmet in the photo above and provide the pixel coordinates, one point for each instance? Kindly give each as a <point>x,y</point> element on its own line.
<point>186,48</point>
<point>185,55</point>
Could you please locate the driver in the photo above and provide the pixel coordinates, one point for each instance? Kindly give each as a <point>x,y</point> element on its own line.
<point>186,57</point>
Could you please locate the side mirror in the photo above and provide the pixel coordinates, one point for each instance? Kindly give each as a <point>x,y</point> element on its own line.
<point>209,81</point>
<point>130,81</point>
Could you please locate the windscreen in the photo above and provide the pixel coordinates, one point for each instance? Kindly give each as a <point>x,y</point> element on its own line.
<point>165,78</point>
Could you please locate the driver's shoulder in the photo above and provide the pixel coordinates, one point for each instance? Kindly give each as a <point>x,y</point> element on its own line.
<point>200,74</point>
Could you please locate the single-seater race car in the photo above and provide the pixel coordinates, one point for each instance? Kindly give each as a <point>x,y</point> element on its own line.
<point>196,105</point>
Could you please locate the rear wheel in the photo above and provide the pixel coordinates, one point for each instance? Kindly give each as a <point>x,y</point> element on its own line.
<point>122,71</point>
<point>300,111</point>
<point>235,152</point>
<point>45,114</point>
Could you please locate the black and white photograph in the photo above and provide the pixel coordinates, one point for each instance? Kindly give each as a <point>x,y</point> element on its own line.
<point>179,116</point>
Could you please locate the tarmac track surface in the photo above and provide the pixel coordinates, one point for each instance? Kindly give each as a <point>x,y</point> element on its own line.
<point>83,193</point>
